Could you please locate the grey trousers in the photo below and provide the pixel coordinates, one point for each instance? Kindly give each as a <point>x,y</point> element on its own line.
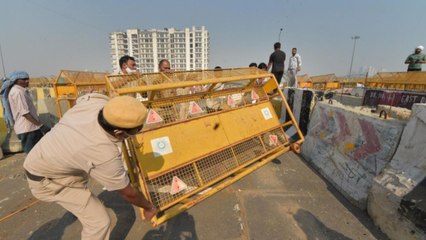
<point>293,79</point>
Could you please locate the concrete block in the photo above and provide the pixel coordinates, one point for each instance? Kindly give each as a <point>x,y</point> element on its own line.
<point>349,100</point>
<point>47,111</point>
<point>402,183</point>
<point>11,143</point>
<point>358,91</point>
<point>382,208</point>
<point>395,112</point>
<point>300,102</point>
<point>397,98</point>
<point>350,147</point>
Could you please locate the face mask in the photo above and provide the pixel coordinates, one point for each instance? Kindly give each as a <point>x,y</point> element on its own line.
<point>130,71</point>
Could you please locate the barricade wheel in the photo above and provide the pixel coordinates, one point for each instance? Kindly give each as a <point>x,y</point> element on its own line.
<point>295,147</point>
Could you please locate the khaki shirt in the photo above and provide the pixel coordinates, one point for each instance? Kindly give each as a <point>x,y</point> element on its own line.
<point>78,146</point>
<point>21,104</point>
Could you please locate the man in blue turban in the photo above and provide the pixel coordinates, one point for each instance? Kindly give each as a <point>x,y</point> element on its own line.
<point>19,110</point>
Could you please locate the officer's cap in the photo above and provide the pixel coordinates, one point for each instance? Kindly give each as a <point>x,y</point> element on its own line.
<point>125,112</point>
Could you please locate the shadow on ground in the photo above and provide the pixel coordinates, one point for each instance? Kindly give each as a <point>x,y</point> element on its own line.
<point>362,216</point>
<point>181,227</point>
<point>314,228</point>
<point>124,212</point>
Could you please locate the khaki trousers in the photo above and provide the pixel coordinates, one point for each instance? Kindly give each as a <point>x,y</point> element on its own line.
<point>72,194</point>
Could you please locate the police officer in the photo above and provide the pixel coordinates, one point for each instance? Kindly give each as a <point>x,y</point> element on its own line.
<point>87,143</point>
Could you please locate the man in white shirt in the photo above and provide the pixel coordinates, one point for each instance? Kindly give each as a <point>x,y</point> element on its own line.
<point>294,66</point>
<point>27,124</point>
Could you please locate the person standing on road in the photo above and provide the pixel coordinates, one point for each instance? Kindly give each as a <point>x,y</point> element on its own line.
<point>87,143</point>
<point>416,59</point>
<point>294,66</point>
<point>20,112</point>
<point>276,61</point>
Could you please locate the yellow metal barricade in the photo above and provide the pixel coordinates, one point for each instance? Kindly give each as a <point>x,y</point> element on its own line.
<point>70,85</point>
<point>304,81</point>
<point>41,82</point>
<point>398,80</point>
<point>204,131</point>
<point>325,82</point>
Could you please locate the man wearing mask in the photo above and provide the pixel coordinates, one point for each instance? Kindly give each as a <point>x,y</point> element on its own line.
<point>416,59</point>
<point>86,143</point>
<point>127,65</point>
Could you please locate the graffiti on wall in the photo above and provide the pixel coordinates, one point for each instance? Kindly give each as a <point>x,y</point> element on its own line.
<point>350,148</point>
<point>356,140</point>
<point>373,98</point>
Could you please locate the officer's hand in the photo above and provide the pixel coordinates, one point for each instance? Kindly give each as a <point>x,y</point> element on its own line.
<point>150,213</point>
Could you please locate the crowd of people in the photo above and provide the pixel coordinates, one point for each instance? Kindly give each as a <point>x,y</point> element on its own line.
<point>276,65</point>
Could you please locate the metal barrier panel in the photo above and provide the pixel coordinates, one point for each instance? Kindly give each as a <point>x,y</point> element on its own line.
<point>398,80</point>
<point>204,131</point>
<point>70,85</point>
<point>382,80</point>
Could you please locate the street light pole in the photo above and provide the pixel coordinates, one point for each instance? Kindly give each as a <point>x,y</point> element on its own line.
<point>279,35</point>
<point>353,53</point>
<point>2,62</point>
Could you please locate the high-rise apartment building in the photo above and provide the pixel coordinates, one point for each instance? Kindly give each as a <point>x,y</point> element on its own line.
<point>186,49</point>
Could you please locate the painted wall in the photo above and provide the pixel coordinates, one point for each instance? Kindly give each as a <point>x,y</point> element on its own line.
<point>350,147</point>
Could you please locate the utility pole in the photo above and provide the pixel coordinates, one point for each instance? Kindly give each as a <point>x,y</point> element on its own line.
<point>2,62</point>
<point>279,35</point>
<point>353,53</point>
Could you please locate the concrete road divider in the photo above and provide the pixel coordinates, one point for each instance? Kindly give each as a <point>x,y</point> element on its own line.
<point>300,101</point>
<point>349,147</point>
<point>397,198</point>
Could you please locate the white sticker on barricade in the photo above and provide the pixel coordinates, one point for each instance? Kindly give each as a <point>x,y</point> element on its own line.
<point>177,185</point>
<point>161,146</point>
<point>266,113</point>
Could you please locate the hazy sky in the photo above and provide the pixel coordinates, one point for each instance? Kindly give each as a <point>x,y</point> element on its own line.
<point>44,36</point>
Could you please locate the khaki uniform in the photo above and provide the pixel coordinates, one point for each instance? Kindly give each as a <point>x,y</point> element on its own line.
<point>75,149</point>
